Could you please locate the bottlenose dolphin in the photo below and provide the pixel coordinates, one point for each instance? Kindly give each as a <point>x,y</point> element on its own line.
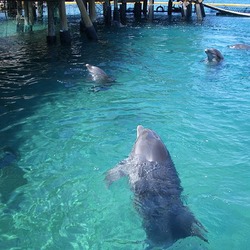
<point>157,191</point>
<point>98,75</point>
<point>213,55</point>
<point>239,46</point>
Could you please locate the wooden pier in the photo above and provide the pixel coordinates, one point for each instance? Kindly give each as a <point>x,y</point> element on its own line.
<point>114,12</point>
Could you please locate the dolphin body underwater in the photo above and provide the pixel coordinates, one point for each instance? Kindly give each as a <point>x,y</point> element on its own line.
<point>240,46</point>
<point>157,191</point>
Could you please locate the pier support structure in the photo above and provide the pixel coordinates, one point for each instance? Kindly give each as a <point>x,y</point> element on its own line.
<point>19,18</point>
<point>107,12</point>
<point>28,15</point>
<point>170,7</point>
<point>123,8</point>
<point>40,10</point>
<point>89,27</point>
<point>199,8</point>
<point>187,9</point>
<point>65,37</point>
<point>51,38</point>
<point>92,11</point>
<point>116,14</point>
<point>151,10</point>
<point>145,8</point>
<point>137,10</point>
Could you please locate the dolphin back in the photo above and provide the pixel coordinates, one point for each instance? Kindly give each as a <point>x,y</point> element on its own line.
<point>158,200</point>
<point>157,190</point>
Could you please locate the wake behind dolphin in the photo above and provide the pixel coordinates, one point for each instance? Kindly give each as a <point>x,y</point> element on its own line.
<point>157,191</point>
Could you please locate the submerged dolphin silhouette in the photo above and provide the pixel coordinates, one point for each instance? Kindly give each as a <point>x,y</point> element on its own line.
<point>157,191</point>
<point>240,46</point>
<point>213,55</point>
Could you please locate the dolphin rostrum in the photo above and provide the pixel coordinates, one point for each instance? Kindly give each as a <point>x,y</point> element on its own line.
<point>157,191</point>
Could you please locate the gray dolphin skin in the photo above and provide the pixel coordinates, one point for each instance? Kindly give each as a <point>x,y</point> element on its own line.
<point>98,75</point>
<point>240,46</point>
<point>213,55</point>
<point>157,191</point>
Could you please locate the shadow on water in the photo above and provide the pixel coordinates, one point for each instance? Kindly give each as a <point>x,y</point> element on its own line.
<point>11,177</point>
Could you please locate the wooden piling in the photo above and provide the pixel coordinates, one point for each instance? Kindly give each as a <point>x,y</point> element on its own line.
<point>189,10</point>
<point>19,18</point>
<point>92,11</point>
<point>170,7</point>
<point>123,8</point>
<point>40,10</point>
<point>107,12</point>
<point>151,10</point>
<point>65,37</point>
<point>89,27</point>
<point>116,14</point>
<point>51,38</point>
<point>28,15</point>
<point>145,7</point>
<point>186,9</point>
<point>11,7</point>
<point>31,16</point>
<point>137,10</point>
<point>199,8</point>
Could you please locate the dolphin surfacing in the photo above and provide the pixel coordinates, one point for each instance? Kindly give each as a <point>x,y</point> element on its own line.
<point>157,191</point>
<point>213,55</point>
<point>98,75</point>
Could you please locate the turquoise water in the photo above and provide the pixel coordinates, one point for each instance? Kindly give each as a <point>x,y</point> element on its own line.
<point>58,136</point>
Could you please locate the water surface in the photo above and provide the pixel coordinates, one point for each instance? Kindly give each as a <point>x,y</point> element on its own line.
<point>60,135</point>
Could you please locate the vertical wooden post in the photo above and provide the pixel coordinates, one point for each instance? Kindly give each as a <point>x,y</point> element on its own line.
<point>189,10</point>
<point>107,12</point>
<point>64,30</point>
<point>51,38</point>
<point>28,7</point>
<point>186,9</point>
<point>151,10</point>
<point>26,15</point>
<point>40,10</point>
<point>123,8</point>
<point>145,7</point>
<point>11,7</point>
<point>90,29</point>
<point>19,19</point>
<point>170,7</point>
<point>116,14</point>
<point>137,10</point>
<point>200,13</point>
<point>31,16</point>
<point>92,11</point>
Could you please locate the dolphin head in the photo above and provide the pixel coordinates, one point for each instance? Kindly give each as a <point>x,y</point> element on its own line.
<point>149,146</point>
<point>90,68</point>
<point>213,55</point>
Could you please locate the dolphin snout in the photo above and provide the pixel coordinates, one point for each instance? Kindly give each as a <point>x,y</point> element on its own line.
<point>140,128</point>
